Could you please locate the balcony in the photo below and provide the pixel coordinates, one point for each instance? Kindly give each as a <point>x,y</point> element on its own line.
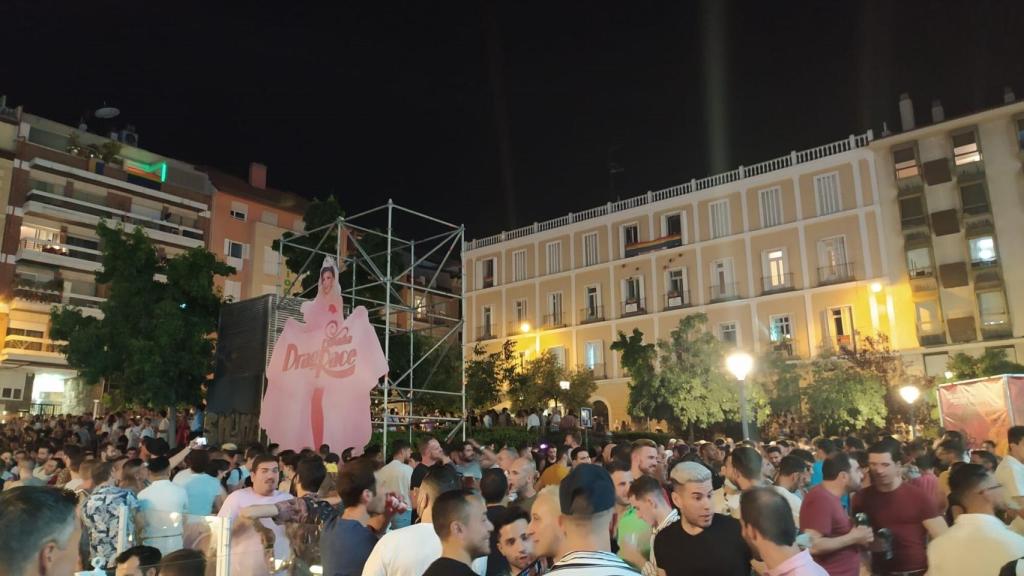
<point>723,292</point>
<point>485,333</point>
<point>637,248</point>
<point>996,327</point>
<point>835,273</point>
<point>598,368</point>
<point>922,278</point>
<point>988,277</point>
<point>553,321</point>
<point>930,334</point>
<point>30,350</point>
<point>592,314</point>
<point>488,282</point>
<point>777,283</point>
<point>785,346</point>
<point>633,307</point>
<point>983,263</point>
<point>677,299</point>
<point>37,291</point>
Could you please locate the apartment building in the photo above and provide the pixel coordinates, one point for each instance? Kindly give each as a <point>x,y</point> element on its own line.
<point>247,217</point>
<point>57,192</point>
<point>953,193</point>
<point>786,254</point>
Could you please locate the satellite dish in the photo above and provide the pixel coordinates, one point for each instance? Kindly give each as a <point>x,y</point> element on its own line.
<point>107,112</point>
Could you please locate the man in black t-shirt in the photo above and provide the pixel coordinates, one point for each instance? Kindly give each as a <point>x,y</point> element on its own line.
<point>432,458</point>
<point>460,520</point>
<point>702,542</point>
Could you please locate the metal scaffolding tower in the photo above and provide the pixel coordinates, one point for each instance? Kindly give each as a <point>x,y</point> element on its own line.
<point>403,284</point>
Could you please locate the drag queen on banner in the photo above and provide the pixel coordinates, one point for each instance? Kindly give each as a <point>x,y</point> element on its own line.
<point>321,374</point>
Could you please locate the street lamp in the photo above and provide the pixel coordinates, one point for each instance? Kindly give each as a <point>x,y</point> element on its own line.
<point>524,327</point>
<point>564,385</point>
<point>910,394</point>
<point>740,364</point>
<point>948,374</point>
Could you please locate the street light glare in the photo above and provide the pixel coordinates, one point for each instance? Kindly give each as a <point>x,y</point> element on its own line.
<point>876,287</point>
<point>564,384</point>
<point>910,394</point>
<point>524,327</point>
<point>739,364</point>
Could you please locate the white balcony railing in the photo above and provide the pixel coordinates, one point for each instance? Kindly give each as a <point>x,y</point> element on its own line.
<point>794,158</point>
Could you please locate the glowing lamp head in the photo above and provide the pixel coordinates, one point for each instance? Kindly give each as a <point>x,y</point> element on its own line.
<point>564,384</point>
<point>876,287</point>
<point>910,394</point>
<point>739,364</point>
<point>524,327</point>
<point>948,374</point>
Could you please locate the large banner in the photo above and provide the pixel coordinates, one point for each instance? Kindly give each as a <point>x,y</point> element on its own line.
<point>983,409</point>
<point>321,374</point>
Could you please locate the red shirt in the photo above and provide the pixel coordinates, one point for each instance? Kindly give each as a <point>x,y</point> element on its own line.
<point>823,512</point>
<point>902,511</point>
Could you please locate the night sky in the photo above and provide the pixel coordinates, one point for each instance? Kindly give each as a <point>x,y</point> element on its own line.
<point>497,114</point>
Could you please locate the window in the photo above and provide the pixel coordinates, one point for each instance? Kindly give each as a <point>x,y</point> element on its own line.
<point>992,307</point>
<point>833,266</point>
<point>270,261</point>
<point>826,193</point>
<point>268,217</point>
<point>728,333</point>
<point>780,328</point>
<point>912,212</point>
<point>774,263</point>
<point>983,250</point>
<point>720,224</point>
<point>232,290</point>
<point>592,353</point>
<point>239,211</point>
<point>770,200</point>
<point>965,148</point>
<point>234,249</point>
<point>974,199</point>
<point>676,288</point>
<point>519,265</point>
<point>919,262</point>
<point>593,300</point>
<point>554,309</point>
<point>554,251</point>
<point>590,254</point>
<point>905,162</point>
<point>929,322</point>
<point>630,236</point>
<point>838,327</point>
<point>7,393</point>
<point>723,284</point>
<point>559,354</point>
<point>486,269</point>
<point>485,327</point>
<point>632,289</point>
<point>672,225</point>
<point>520,308</point>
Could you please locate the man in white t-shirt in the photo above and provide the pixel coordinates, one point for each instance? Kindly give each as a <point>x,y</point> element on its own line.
<point>163,505</point>
<point>395,477</point>
<point>1010,473</point>
<point>265,477</point>
<point>411,550</point>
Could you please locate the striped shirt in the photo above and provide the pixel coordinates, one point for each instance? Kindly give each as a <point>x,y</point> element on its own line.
<point>593,563</point>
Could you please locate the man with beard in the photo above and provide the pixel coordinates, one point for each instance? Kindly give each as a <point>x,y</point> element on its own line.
<point>460,521</point>
<point>265,476</point>
<point>768,528</point>
<point>702,542</point>
<point>835,542</point>
<point>978,542</point>
<point>521,481</point>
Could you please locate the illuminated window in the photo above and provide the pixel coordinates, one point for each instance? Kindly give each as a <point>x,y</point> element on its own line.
<point>965,148</point>
<point>983,249</point>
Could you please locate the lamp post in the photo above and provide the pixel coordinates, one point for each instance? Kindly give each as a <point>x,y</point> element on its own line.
<point>740,364</point>
<point>910,394</point>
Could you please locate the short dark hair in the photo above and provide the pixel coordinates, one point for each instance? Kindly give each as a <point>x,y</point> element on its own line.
<point>424,442</point>
<point>616,465</point>
<point>825,445</point>
<point>792,465</point>
<point>950,445</point>
<point>642,443</point>
<point>854,443</point>
<point>966,478</point>
<point>772,449</point>
<point>1015,434</point>
<point>887,446</point>
<point>646,485</point>
<point>576,451</point>
<point>834,465</point>
<point>254,451</point>
<point>399,445</point>
<point>101,472</point>
<point>311,473</point>
<point>508,516</point>
<point>769,513</point>
<point>33,516</point>
<point>198,460</point>
<point>75,456</point>
<point>216,466</point>
<point>440,480</point>
<point>354,478</point>
<point>289,458</point>
<point>149,557</point>
<point>802,454</point>
<point>747,462</point>
<point>184,562</point>
<point>925,461</point>
<point>263,458</point>
<point>452,506</point>
<point>493,485</point>
<point>371,451</point>
<point>987,457</point>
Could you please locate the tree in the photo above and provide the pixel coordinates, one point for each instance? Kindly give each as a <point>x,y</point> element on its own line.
<point>153,345</point>
<point>780,379</point>
<point>840,396</point>
<point>440,370</point>
<point>992,363</point>
<point>646,399</point>
<point>875,357</point>
<point>488,375</point>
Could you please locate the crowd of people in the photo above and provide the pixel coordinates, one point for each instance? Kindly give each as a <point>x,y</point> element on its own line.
<point>80,493</point>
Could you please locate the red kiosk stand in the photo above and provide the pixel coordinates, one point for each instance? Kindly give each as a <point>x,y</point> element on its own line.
<point>983,408</point>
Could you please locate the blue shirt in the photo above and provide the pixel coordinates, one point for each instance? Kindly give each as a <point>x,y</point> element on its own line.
<point>344,547</point>
<point>202,490</point>
<point>816,474</point>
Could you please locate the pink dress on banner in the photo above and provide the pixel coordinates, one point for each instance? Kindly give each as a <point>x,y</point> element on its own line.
<point>321,374</point>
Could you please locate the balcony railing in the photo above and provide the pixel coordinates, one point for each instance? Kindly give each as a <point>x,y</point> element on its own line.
<point>785,346</point>
<point>777,283</point>
<point>677,299</point>
<point>598,368</point>
<point>592,314</point>
<point>723,292</point>
<point>835,273</point>
<point>552,321</point>
<point>637,248</point>
<point>996,327</point>
<point>15,342</point>
<point>633,307</point>
<point>485,333</point>
<point>62,250</point>
<point>931,334</point>
<point>98,206</point>
<point>987,263</point>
